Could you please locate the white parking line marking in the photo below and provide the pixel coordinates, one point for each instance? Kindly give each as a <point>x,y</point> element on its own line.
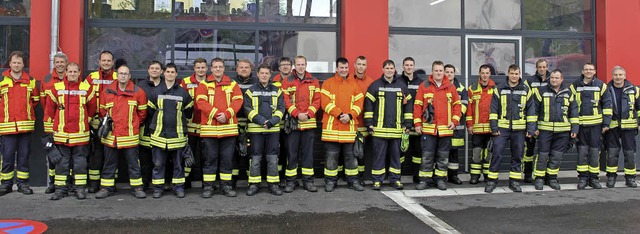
<point>420,212</point>
<point>480,190</point>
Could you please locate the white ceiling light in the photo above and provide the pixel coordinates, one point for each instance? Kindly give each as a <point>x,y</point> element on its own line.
<point>436,2</point>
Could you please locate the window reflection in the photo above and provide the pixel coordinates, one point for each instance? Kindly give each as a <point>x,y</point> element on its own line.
<point>559,15</point>
<point>19,8</point>
<point>425,50</point>
<point>138,46</point>
<point>130,9</point>
<point>318,47</point>
<point>421,13</point>
<point>230,45</point>
<point>12,39</point>
<point>566,55</point>
<point>216,10</point>
<point>492,14</point>
<point>299,11</point>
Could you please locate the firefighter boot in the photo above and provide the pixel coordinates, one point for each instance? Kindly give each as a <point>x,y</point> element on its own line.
<point>440,184</point>
<point>81,193</point>
<point>514,185</point>
<point>594,182</point>
<point>275,189</point>
<point>528,171</point>
<point>330,186</point>
<point>553,183</point>
<point>539,183</point>
<point>289,187</point>
<point>356,186</point>
<point>52,187</point>
<point>452,177</point>
<point>59,194</point>
<point>611,180</point>
<point>253,190</point>
<point>138,192</point>
<point>630,181</point>
<point>24,189</point>
<point>475,178</point>
<point>582,183</point>
<point>491,185</point>
<point>310,186</point>
<point>94,186</point>
<point>207,191</point>
<point>104,192</point>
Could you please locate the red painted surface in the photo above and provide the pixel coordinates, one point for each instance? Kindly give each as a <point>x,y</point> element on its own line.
<point>72,30</point>
<point>22,226</point>
<point>616,38</point>
<point>40,39</point>
<point>365,31</point>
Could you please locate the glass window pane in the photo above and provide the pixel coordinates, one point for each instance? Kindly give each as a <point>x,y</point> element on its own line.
<point>499,54</point>
<point>18,8</point>
<point>318,47</point>
<point>421,13</point>
<point>492,14</point>
<point>425,50</point>
<point>558,15</point>
<point>564,54</point>
<point>138,46</point>
<point>216,10</point>
<point>12,38</point>
<point>299,11</point>
<point>230,45</point>
<point>130,9</point>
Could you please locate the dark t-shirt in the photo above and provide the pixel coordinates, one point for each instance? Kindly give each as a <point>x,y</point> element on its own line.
<point>618,99</point>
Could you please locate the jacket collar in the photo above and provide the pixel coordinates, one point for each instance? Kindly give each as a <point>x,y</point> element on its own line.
<point>224,81</point>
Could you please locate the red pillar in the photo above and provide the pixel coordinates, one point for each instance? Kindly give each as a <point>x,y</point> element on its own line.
<point>616,38</point>
<point>40,39</point>
<point>72,30</point>
<point>365,31</point>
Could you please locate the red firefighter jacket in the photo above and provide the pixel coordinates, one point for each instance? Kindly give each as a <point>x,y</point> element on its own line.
<point>70,105</point>
<point>213,98</point>
<point>128,109</point>
<point>18,99</point>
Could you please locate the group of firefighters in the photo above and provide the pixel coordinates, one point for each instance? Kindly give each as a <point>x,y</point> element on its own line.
<point>162,126</point>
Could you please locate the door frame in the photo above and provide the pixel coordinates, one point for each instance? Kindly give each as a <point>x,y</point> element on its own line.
<point>468,69</point>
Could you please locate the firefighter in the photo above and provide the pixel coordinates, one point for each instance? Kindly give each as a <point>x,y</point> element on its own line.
<point>57,74</point>
<point>69,104</point>
<point>594,109</point>
<point>342,102</point>
<point>285,69</point>
<point>412,81</point>
<point>264,105</point>
<point>363,80</point>
<point>244,80</point>
<point>623,128</point>
<point>387,113</point>
<point>540,79</point>
<point>144,146</point>
<point>170,106</point>
<point>436,112</point>
<point>457,141</point>
<point>100,80</point>
<point>191,83</point>
<point>218,100</point>
<point>19,95</point>
<point>512,118</point>
<point>557,124</point>
<point>302,101</point>
<point>480,94</point>
<point>123,107</point>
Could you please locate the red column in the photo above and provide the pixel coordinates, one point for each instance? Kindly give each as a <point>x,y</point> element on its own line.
<point>40,39</point>
<point>616,38</point>
<point>364,30</point>
<point>72,30</point>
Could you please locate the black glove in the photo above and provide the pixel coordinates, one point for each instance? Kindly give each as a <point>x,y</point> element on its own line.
<point>427,116</point>
<point>53,154</point>
<point>572,144</point>
<point>358,147</point>
<point>187,155</point>
<point>107,126</point>
<point>242,143</point>
<point>490,145</point>
<point>370,130</point>
<point>47,141</point>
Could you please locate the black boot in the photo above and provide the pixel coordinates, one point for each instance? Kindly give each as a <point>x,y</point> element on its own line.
<point>93,186</point>
<point>475,178</point>
<point>630,181</point>
<point>491,185</point>
<point>539,183</point>
<point>52,187</point>
<point>594,182</point>
<point>452,177</point>
<point>514,185</point>
<point>611,180</point>
<point>582,183</point>
<point>528,171</point>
